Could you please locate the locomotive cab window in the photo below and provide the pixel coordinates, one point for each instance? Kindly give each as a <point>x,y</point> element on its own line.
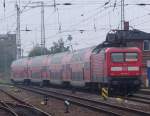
<point>117,57</point>
<point>124,57</point>
<point>129,57</point>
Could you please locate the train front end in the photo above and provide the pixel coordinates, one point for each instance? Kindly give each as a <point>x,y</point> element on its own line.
<point>124,70</point>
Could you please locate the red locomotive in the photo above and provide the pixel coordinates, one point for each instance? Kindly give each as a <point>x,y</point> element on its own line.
<point>118,68</point>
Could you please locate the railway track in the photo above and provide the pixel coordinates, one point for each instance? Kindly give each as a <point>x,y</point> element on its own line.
<point>19,107</point>
<point>147,97</point>
<point>145,91</point>
<point>103,106</point>
<point>140,98</point>
<point>5,111</point>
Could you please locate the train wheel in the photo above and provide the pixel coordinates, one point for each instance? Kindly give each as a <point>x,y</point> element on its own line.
<point>26,82</point>
<point>42,84</point>
<point>93,87</point>
<point>110,92</point>
<point>14,82</point>
<point>73,89</point>
<point>47,83</point>
<point>99,88</point>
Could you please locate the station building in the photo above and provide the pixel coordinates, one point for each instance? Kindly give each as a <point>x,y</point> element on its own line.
<point>7,51</point>
<point>143,42</point>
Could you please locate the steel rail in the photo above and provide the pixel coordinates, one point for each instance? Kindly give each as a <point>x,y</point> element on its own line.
<point>77,102</point>
<point>28,108</point>
<point>140,100</point>
<point>25,104</point>
<point>117,111</point>
<point>6,106</point>
<point>145,91</point>
<point>8,110</point>
<point>147,97</point>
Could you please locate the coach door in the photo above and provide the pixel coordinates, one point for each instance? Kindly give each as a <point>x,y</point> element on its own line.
<point>44,74</point>
<point>66,72</point>
<point>44,68</point>
<point>29,71</point>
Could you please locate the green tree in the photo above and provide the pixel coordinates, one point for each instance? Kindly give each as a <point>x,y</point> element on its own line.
<point>37,51</point>
<point>58,47</point>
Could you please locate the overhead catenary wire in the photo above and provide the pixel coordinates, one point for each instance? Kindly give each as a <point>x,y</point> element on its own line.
<point>98,12</point>
<point>57,34</point>
<point>11,15</point>
<point>24,7</point>
<point>126,5</point>
<point>90,17</point>
<point>93,15</point>
<point>29,2</point>
<point>139,17</point>
<point>76,28</point>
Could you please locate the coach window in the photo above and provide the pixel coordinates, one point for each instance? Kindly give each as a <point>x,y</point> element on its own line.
<point>146,45</point>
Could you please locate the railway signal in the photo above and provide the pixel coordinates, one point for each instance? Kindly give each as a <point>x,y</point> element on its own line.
<point>67,104</point>
<point>45,100</point>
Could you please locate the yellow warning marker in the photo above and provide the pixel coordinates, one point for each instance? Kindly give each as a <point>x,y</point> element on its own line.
<point>119,99</point>
<point>104,93</point>
<point>11,86</point>
<point>42,103</point>
<point>15,90</point>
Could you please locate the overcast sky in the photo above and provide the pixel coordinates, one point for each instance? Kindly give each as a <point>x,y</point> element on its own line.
<point>92,16</point>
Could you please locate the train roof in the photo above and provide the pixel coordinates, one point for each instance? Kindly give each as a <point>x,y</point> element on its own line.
<point>64,57</point>
<point>19,62</point>
<point>75,56</point>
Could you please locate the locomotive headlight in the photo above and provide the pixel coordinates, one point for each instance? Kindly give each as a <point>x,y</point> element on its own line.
<point>116,68</point>
<point>133,68</point>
